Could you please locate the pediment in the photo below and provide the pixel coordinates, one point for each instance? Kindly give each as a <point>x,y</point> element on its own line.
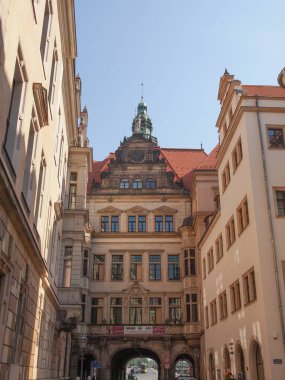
<point>110,210</point>
<point>164,210</point>
<point>135,290</point>
<point>137,210</point>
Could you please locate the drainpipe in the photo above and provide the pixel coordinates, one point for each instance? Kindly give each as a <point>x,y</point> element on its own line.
<point>273,245</point>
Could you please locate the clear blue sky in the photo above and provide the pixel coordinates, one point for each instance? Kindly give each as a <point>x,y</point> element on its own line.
<point>178,49</point>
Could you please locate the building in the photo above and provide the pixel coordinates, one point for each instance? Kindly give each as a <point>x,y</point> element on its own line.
<point>141,294</point>
<point>40,106</point>
<point>242,251</point>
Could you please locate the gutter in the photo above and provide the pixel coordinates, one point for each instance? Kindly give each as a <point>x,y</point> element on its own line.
<point>269,213</point>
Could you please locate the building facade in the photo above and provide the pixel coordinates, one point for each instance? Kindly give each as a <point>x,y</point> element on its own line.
<point>40,105</point>
<point>242,251</point>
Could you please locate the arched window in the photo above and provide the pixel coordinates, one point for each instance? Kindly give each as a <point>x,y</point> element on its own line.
<point>150,183</point>
<point>137,184</point>
<point>124,184</point>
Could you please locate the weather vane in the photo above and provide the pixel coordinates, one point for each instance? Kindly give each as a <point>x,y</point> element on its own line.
<point>142,92</point>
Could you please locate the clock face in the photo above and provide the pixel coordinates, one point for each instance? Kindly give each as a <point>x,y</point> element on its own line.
<point>137,155</point>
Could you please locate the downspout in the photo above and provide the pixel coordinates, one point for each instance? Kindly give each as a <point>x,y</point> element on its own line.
<point>273,245</point>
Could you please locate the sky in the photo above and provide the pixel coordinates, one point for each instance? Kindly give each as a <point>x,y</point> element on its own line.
<point>178,49</point>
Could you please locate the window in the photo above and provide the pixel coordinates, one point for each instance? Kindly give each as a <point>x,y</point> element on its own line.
<point>124,184</point>
<point>105,223</point>
<point>173,267</point>
<point>249,288</point>
<point>164,223</point>
<point>45,39</point>
<point>72,191</point>
<point>213,311</point>
<point>96,311</point>
<point>242,216</point>
<point>155,267</point>
<point>98,267</point>
<point>219,248</point>
<point>230,232</point>
<point>13,135</point>
<point>190,262</point>
<point>191,302</point>
<point>85,263</point>
<point>135,311</point>
<point>207,316</point>
<point>115,223</point>
<point>137,223</point>
<point>137,184</point>
<point>275,137</point>
<point>19,326</point>
<point>116,311</point>
<point>117,267</point>
<point>237,155</point>
<point>155,313</point>
<point>226,177</point>
<point>41,188</point>
<point>210,259</point>
<point>30,162</point>
<point>136,267</point>
<point>174,310</point>
<point>83,307</point>
<point>150,183</point>
<point>67,263</point>
<point>204,268</point>
<point>53,73</point>
<point>235,296</point>
<point>223,305</point>
<point>280,202</point>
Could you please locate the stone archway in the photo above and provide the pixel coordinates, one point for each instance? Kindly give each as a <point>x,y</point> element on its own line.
<point>240,362</point>
<point>227,360</point>
<point>212,375</point>
<point>85,362</point>
<point>185,365</point>
<point>257,368</point>
<point>121,358</point>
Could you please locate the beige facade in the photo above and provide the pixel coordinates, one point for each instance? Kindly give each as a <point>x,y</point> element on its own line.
<point>242,251</point>
<point>40,104</point>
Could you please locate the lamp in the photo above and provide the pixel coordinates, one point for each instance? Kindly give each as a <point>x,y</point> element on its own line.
<point>82,344</point>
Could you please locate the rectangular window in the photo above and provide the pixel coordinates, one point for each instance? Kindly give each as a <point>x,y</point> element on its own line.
<point>115,223</point>
<point>117,267</point>
<point>135,311</point>
<point>104,223</point>
<point>132,223</point>
<point>83,307</point>
<point>207,316</point>
<point>210,259</point>
<point>190,262</point>
<point>98,267</point>
<point>219,248</point>
<point>237,155</point>
<point>53,73</point>
<point>191,303</point>
<point>249,288</point>
<point>85,263</point>
<point>242,216</point>
<point>204,268</point>
<point>275,137</point>
<point>13,135</point>
<point>116,311</point>
<point>280,202</point>
<point>173,267</point>
<point>40,189</point>
<point>230,232</point>
<point>169,223</point>
<point>155,267</point>
<point>175,310</point>
<point>141,223</point>
<point>213,310</point>
<point>226,177</point>
<point>155,313</point>
<point>223,305</point>
<point>45,39</point>
<point>96,311</point>
<point>235,296</point>
<point>136,267</point>
<point>158,223</point>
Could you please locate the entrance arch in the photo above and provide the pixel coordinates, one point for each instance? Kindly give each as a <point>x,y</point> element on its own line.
<point>227,360</point>
<point>212,375</point>
<point>86,365</point>
<point>257,361</point>
<point>240,363</point>
<point>185,365</point>
<point>121,358</point>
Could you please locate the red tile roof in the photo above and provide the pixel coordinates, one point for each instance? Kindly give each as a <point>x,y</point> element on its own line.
<point>98,167</point>
<point>267,91</point>
<point>210,162</point>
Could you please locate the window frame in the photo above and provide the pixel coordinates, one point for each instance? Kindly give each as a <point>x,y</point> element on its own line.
<point>279,190</point>
<point>226,176</point>
<point>249,286</point>
<point>155,263</point>
<point>172,267</point>
<point>230,232</point>
<point>275,128</point>
<point>242,214</point>
<point>235,296</point>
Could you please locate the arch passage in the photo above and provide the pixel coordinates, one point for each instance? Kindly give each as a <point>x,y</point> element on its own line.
<point>185,369</point>
<point>120,359</point>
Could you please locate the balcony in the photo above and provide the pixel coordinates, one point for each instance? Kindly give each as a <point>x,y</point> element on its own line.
<point>116,330</point>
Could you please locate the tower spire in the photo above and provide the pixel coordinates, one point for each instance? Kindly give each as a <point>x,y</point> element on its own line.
<point>142,92</point>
